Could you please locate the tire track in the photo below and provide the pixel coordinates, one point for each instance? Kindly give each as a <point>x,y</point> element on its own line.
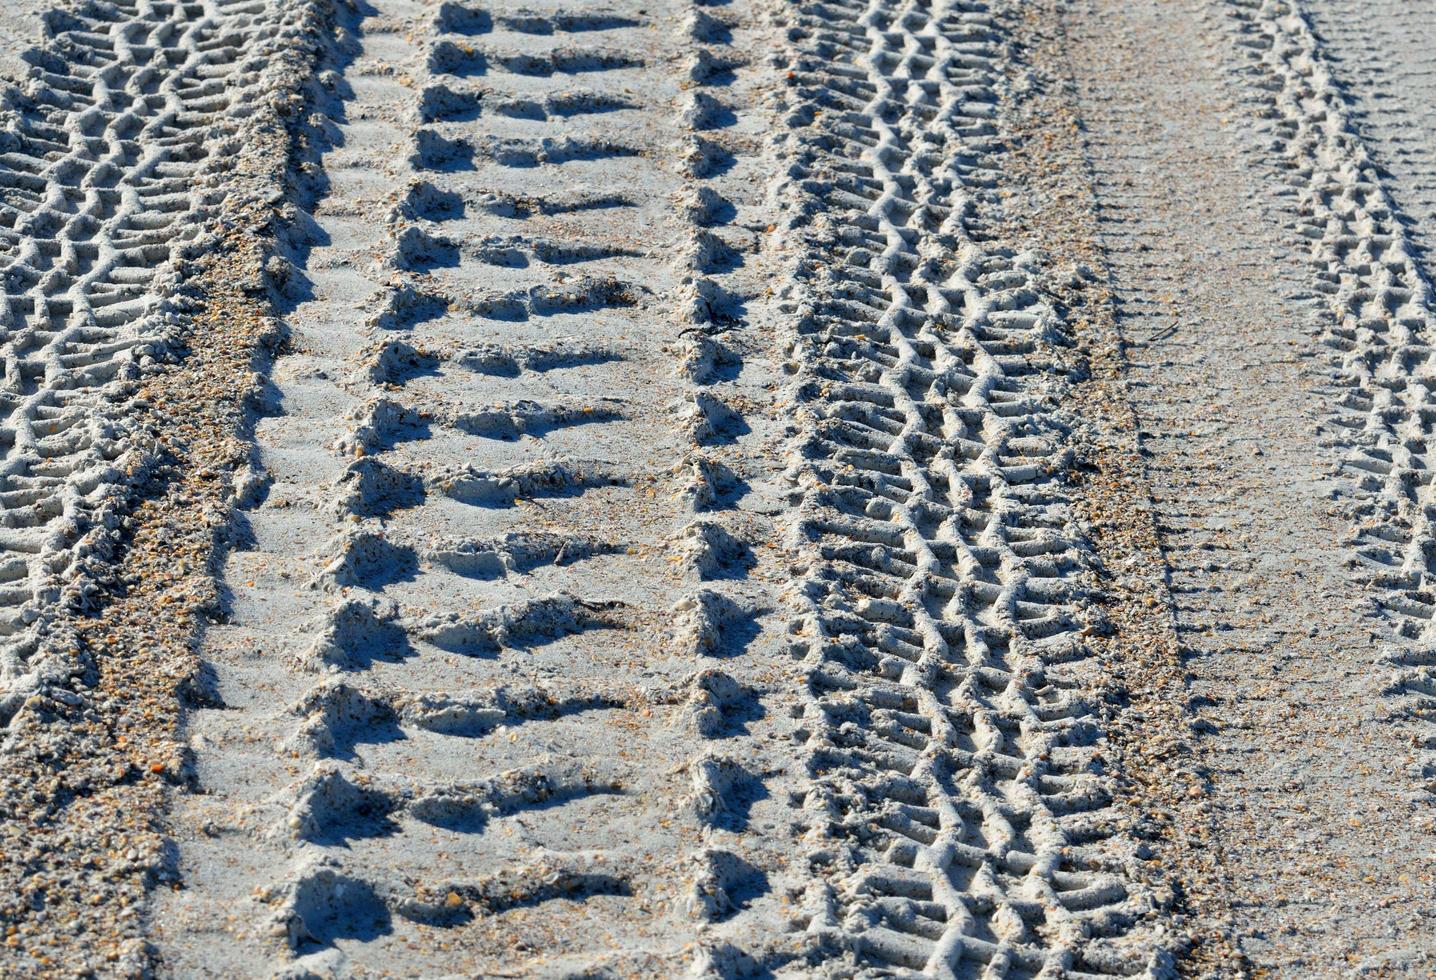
<point>1379,58</point>
<point>454,721</point>
<point>958,817</point>
<point>143,160</point>
<point>108,180</point>
<point>1308,780</point>
<point>1377,77</point>
<point>493,731</point>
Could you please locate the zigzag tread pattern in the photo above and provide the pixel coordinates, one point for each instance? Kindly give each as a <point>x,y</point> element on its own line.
<point>959,819</point>
<point>1376,319</point>
<point>108,176</point>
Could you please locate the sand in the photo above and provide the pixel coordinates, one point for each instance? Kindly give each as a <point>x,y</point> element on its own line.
<point>744,489</point>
